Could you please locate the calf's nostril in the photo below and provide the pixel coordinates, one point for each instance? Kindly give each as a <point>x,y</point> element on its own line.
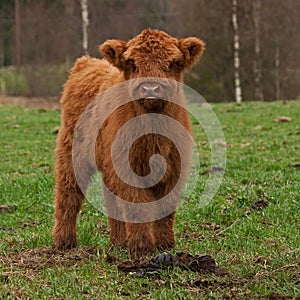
<point>155,88</point>
<point>145,89</point>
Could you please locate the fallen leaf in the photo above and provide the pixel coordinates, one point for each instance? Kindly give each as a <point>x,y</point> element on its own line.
<point>217,169</point>
<point>201,144</point>
<point>101,227</point>
<point>213,170</point>
<point>211,226</point>
<point>245,145</point>
<point>55,130</point>
<point>260,260</point>
<point>203,283</point>
<point>25,224</point>
<point>7,208</point>
<point>7,229</point>
<point>259,205</point>
<point>283,119</point>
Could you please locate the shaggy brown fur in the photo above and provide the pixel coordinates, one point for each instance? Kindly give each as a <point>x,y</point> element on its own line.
<point>150,54</point>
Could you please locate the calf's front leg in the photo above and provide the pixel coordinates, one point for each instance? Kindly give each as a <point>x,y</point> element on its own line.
<point>68,203</point>
<point>163,231</point>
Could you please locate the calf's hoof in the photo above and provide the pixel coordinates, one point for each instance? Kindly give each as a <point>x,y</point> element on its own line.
<point>141,247</point>
<point>63,244</point>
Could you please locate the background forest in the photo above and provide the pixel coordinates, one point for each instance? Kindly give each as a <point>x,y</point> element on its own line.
<point>39,41</point>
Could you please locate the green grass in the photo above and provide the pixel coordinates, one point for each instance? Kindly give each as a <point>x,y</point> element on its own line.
<point>259,248</point>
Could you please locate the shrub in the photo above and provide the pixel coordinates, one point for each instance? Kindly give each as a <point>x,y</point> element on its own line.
<point>13,82</point>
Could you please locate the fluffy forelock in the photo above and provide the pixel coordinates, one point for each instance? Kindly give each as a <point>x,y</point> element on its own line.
<point>153,42</point>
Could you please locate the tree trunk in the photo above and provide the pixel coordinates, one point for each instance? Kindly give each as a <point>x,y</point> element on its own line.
<point>85,24</point>
<point>17,33</point>
<point>258,91</point>
<point>236,50</point>
<point>70,29</point>
<point>277,75</point>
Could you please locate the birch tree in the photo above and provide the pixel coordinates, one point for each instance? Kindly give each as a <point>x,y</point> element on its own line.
<point>258,89</point>
<point>85,24</point>
<point>236,53</point>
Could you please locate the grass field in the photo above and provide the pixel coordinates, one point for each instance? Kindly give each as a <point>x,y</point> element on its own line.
<point>260,248</point>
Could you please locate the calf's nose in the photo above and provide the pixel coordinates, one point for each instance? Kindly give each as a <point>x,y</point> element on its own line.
<point>151,90</point>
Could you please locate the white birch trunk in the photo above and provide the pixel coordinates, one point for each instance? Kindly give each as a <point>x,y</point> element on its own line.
<point>236,52</point>
<point>85,24</point>
<point>258,91</point>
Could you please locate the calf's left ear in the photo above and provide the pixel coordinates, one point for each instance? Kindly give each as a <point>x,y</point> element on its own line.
<point>192,49</point>
<point>112,51</point>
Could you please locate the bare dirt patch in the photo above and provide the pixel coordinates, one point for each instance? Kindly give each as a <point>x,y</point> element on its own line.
<point>46,103</point>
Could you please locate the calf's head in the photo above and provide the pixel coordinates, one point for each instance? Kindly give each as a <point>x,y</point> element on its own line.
<point>151,58</point>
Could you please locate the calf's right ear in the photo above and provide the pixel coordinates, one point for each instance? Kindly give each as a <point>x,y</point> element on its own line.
<point>112,51</point>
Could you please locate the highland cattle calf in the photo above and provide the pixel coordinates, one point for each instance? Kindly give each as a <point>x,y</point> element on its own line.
<point>152,63</point>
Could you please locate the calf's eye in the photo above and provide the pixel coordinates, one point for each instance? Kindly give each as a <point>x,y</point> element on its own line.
<point>131,65</point>
<point>134,68</point>
<point>171,65</point>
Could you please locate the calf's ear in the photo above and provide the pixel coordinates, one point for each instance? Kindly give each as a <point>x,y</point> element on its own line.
<point>192,49</point>
<point>112,50</point>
